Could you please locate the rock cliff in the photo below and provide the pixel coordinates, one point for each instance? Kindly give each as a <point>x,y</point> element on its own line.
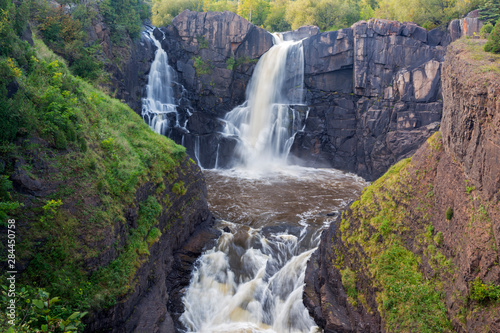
<point>213,55</point>
<point>154,304</point>
<point>419,250</point>
<point>373,90</point>
<point>113,215</point>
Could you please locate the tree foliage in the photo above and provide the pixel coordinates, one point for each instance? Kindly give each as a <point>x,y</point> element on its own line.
<point>490,12</point>
<point>493,43</point>
<point>282,15</point>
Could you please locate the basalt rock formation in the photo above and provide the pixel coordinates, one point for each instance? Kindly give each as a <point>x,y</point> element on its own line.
<point>419,250</point>
<point>373,90</point>
<point>373,93</point>
<point>186,231</point>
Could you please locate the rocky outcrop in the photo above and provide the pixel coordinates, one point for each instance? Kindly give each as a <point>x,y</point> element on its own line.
<point>185,227</point>
<point>472,117</point>
<point>440,211</point>
<point>373,90</point>
<point>374,96</point>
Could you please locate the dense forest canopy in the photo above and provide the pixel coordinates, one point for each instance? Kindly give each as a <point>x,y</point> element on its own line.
<point>281,15</point>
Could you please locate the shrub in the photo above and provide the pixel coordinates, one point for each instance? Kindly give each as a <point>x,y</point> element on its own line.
<point>38,312</point>
<point>484,292</point>
<point>201,67</point>
<point>486,30</point>
<point>230,63</point>
<point>493,43</point>
<point>438,239</point>
<point>179,188</point>
<point>449,213</point>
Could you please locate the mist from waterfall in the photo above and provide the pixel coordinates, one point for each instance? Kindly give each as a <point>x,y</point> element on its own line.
<point>265,123</point>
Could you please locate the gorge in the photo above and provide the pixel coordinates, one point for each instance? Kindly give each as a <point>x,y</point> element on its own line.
<point>232,194</point>
<point>390,91</point>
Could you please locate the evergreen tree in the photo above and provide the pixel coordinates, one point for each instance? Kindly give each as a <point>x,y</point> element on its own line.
<point>493,43</point>
<point>490,12</point>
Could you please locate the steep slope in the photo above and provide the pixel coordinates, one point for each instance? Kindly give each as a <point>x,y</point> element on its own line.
<point>105,202</point>
<point>419,251</point>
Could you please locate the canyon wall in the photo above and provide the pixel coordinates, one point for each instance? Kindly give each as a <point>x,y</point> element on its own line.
<point>373,91</point>
<point>419,250</point>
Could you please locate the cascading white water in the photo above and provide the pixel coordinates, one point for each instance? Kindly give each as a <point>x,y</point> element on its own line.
<point>259,290</point>
<point>252,280</point>
<point>265,123</point>
<point>158,108</point>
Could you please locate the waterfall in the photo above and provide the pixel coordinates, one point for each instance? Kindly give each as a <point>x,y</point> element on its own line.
<point>265,123</point>
<point>252,288</point>
<point>158,108</point>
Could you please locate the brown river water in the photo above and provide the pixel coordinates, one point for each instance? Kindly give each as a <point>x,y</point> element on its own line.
<point>252,280</point>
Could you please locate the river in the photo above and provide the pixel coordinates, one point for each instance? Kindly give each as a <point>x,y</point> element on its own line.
<point>252,280</point>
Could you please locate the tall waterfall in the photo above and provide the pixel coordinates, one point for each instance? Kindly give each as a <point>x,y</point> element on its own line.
<point>265,123</point>
<point>158,108</point>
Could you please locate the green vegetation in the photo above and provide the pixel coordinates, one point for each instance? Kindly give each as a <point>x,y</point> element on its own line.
<point>484,292</point>
<point>349,283</point>
<point>230,63</point>
<point>449,213</point>
<point>40,313</point>
<point>393,250</point>
<point>490,11</point>
<point>124,17</point>
<point>93,154</point>
<point>201,67</point>
<point>283,15</point>
<point>179,188</point>
<point>493,44</point>
<point>66,35</point>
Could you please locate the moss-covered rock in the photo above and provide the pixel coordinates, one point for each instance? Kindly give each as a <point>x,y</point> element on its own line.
<point>105,200</point>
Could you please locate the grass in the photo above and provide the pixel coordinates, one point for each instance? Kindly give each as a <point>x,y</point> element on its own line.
<point>484,62</point>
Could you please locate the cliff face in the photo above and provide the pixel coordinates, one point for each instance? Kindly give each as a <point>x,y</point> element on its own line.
<point>373,93</point>
<point>185,226</point>
<point>213,55</point>
<point>113,215</point>
<point>419,251</point>
<point>373,90</point>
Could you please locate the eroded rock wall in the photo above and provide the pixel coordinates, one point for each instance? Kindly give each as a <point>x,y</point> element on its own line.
<point>373,93</point>
<point>441,207</point>
<point>185,223</point>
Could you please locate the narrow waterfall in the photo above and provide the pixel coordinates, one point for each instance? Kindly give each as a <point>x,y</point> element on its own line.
<point>158,108</point>
<point>265,123</point>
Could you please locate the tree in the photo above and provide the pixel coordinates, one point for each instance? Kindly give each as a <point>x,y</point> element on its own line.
<point>164,11</point>
<point>276,20</point>
<point>493,43</point>
<point>255,11</point>
<point>490,12</point>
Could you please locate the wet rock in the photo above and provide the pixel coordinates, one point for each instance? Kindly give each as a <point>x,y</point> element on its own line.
<point>268,231</point>
<point>182,268</point>
<point>201,123</point>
